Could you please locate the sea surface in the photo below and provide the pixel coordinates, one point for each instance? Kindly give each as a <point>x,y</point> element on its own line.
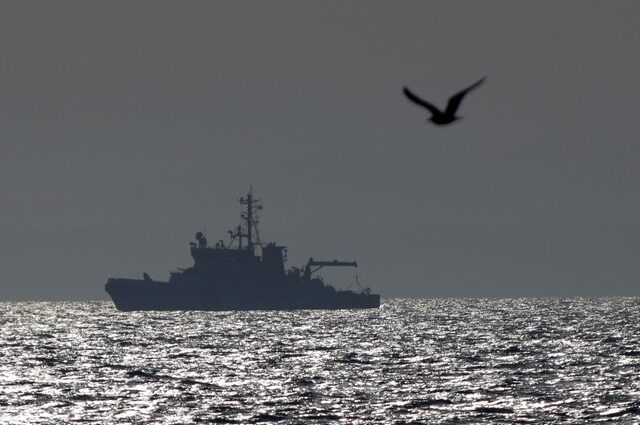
<point>568,360</point>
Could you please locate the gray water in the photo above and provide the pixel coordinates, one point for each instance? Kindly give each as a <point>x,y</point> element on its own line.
<point>411,361</point>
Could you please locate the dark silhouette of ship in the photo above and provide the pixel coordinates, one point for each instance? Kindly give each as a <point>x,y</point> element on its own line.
<point>233,277</point>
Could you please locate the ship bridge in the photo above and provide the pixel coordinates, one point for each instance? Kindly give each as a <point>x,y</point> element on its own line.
<point>238,256</point>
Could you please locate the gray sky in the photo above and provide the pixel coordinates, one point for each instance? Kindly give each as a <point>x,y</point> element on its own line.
<point>127,126</point>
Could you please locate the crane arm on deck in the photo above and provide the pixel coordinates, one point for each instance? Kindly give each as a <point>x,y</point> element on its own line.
<point>320,264</point>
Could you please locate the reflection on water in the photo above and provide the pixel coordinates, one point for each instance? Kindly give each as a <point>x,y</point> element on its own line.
<point>453,360</point>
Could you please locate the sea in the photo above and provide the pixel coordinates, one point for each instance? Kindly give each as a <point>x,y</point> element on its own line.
<point>450,361</point>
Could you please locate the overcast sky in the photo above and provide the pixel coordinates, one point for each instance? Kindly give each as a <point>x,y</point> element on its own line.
<point>125,127</point>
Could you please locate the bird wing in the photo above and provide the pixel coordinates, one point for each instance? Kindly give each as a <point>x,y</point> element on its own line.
<point>456,99</point>
<point>415,99</point>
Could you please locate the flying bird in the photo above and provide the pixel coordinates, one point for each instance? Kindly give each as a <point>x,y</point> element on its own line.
<point>449,115</point>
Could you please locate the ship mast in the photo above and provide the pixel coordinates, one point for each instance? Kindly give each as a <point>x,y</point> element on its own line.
<point>250,216</point>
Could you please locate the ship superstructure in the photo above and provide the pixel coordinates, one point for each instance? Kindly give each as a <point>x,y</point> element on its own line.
<point>242,274</point>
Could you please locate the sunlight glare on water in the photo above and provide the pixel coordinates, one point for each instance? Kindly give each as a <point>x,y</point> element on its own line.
<point>446,360</point>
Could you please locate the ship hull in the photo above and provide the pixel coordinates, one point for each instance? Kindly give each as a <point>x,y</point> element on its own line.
<point>255,294</point>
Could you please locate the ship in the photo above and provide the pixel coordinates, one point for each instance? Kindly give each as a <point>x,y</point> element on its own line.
<point>241,274</point>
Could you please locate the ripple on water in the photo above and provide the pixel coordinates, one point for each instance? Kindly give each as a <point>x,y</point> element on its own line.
<point>411,361</point>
